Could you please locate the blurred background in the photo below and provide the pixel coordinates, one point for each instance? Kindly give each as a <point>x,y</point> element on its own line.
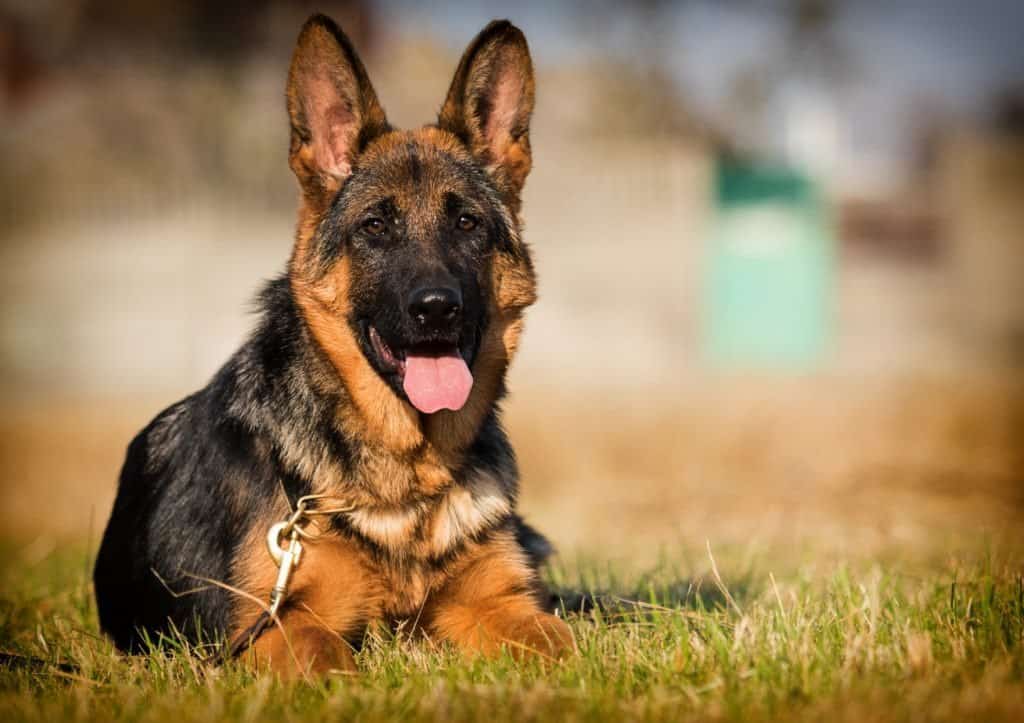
<point>780,242</point>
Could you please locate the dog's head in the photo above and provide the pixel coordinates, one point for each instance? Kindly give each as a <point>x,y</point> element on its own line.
<point>408,264</point>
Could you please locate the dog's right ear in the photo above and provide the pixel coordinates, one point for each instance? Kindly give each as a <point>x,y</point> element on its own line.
<point>332,107</point>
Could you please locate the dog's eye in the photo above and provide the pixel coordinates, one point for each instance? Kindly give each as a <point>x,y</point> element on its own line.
<point>374,226</point>
<point>467,222</point>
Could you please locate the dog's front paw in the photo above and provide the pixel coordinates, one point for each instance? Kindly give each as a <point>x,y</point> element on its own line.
<point>304,651</point>
<point>540,634</point>
<point>523,633</point>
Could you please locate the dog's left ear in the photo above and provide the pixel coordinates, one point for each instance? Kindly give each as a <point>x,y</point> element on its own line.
<point>490,102</point>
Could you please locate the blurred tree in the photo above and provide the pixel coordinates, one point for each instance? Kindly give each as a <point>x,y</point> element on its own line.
<point>69,32</point>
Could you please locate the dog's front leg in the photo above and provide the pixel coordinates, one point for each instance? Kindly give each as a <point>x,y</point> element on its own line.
<point>300,644</point>
<point>490,605</point>
<point>331,598</point>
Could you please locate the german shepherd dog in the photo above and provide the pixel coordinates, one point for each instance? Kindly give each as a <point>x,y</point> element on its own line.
<point>374,378</point>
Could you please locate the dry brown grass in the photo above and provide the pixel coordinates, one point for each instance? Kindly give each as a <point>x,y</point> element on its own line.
<point>851,465</point>
<point>848,465</point>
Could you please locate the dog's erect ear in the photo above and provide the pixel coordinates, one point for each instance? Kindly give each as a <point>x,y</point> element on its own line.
<point>332,107</point>
<point>490,102</point>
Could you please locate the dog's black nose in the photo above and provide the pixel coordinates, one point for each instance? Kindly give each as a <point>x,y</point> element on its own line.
<point>436,309</point>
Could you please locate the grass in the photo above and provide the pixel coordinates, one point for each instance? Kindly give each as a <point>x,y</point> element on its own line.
<point>942,640</point>
<point>869,536</point>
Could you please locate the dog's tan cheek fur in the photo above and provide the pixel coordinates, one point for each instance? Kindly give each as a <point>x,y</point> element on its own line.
<point>379,414</point>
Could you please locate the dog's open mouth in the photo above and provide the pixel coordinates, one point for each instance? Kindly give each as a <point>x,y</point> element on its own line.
<point>434,376</point>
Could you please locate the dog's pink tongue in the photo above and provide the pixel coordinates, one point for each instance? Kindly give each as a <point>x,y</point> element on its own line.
<point>437,382</point>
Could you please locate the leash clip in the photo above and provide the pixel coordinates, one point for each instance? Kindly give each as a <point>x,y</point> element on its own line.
<point>286,559</point>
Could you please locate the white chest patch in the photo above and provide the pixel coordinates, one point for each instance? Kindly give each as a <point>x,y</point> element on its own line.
<point>467,510</point>
<point>463,512</point>
<point>388,527</point>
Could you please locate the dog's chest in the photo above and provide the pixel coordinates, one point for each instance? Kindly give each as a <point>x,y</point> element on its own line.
<point>433,529</point>
<point>421,520</point>
<point>421,545</point>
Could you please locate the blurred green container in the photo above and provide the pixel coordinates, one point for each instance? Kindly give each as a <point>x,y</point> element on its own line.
<point>768,289</point>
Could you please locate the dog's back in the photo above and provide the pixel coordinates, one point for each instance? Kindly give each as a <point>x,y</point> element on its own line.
<point>152,524</point>
<point>175,521</point>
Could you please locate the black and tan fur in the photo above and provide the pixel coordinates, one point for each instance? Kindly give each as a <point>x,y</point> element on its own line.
<point>305,406</point>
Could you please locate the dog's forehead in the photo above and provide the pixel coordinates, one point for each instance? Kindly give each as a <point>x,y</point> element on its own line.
<point>417,170</point>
